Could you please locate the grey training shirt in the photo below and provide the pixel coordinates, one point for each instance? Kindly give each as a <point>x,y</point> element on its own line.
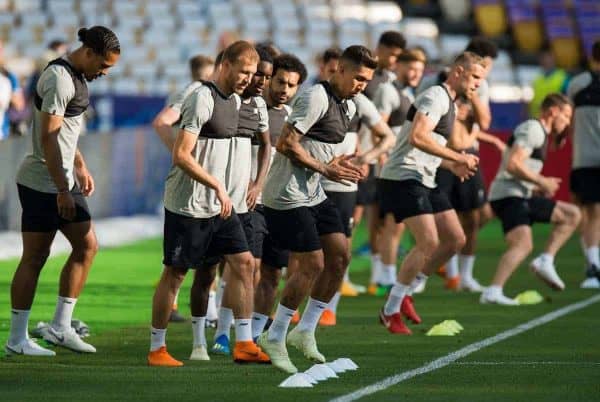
<point>531,136</point>
<point>289,185</point>
<point>254,120</point>
<point>184,195</point>
<point>56,89</point>
<point>407,162</point>
<point>367,114</point>
<point>586,141</point>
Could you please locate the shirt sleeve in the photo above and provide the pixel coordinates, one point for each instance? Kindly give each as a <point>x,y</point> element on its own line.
<point>386,99</point>
<point>310,106</point>
<point>578,83</point>
<point>433,103</point>
<point>14,82</point>
<point>197,110</point>
<point>367,112</point>
<point>484,92</point>
<point>176,100</point>
<point>263,114</point>
<point>529,135</point>
<point>56,89</point>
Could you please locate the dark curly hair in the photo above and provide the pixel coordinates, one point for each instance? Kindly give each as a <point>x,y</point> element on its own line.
<point>100,39</point>
<point>291,63</point>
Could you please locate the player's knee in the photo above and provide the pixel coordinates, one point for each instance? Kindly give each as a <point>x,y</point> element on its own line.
<point>460,239</point>
<point>36,260</point>
<point>575,215</point>
<point>428,244</point>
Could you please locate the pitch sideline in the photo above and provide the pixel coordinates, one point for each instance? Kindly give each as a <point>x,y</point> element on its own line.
<point>467,350</point>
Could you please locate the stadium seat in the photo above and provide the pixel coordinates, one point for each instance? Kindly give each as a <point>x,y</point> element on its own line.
<point>490,17</point>
<point>419,27</point>
<point>452,45</point>
<point>191,9</point>
<point>383,12</point>
<point>27,6</point>
<point>502,74</point>
<point>526,26</point>
<point>455,10</point>
<point>429,45</point>
<point>526,74</point>
<point>61,7</point>
<point>376,30</point>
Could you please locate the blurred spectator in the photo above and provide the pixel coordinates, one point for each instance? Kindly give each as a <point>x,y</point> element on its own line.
<point>56,49</point>
<point>551,80</point>
<point>327,62</point>
<point>11,96</point>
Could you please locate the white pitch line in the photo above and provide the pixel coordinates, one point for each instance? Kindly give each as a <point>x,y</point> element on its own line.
<point>467,350</point>
<point>548,363</point>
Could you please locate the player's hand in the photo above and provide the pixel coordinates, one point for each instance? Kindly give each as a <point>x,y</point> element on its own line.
<point>253,192</point>
<point>85,180</point>
<point>461,170</point>
<point>226,204</point>
<point>66,205</point>
<point>341,169</point>
<point>469,160</point>
<point>500,145</point>
<point>550,185</point>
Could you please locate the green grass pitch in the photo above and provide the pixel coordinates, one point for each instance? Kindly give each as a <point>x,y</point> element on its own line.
<point>555,362</point>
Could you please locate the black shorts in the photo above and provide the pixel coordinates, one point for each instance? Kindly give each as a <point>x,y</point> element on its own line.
<point>193,242</point>
<point>407,198</point>
<point>585,184</point>
<point>345,203</point>
<point>248,226</point>
<point>516,211</point>
<point>367,191</point>
<point>259,225</point>
<point>40,212</point>
<point>299,229</point>
<point>463,195</point>
<point>274,256</point>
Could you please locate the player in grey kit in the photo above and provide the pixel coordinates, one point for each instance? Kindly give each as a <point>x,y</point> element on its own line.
<point>407,183</point>
<point>288,75</point>
<point>253,128</point>
<point>165,123</point>
<point>521,196</point>
<point>393,100</point>
<point>294,199</point>
<point>53,182</point>
<point>584,90</point>
<point>200,221</point>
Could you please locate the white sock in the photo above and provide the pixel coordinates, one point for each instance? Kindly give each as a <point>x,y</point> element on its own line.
<point>494,290</point>
<point>157,338</point>
<point>392,305</point>
<point>220,290</point>
<point>333,303</point>
<point>258,323</point>
<point>211,311</point>
<point>280,324</point>
<point>452,267</point>
<point>198,324</point>
<point>375,267</point>
<point>388,276</point>
<point>312,314</point>
<point>420,278</point>
<point>224,322</point>
<point>18,326</point>
<point>592,254</point>
<point>175,300</point>
<point>465,265</point>
<point>63,313</point>
<point>243,329</point>
<point>547,258</point>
